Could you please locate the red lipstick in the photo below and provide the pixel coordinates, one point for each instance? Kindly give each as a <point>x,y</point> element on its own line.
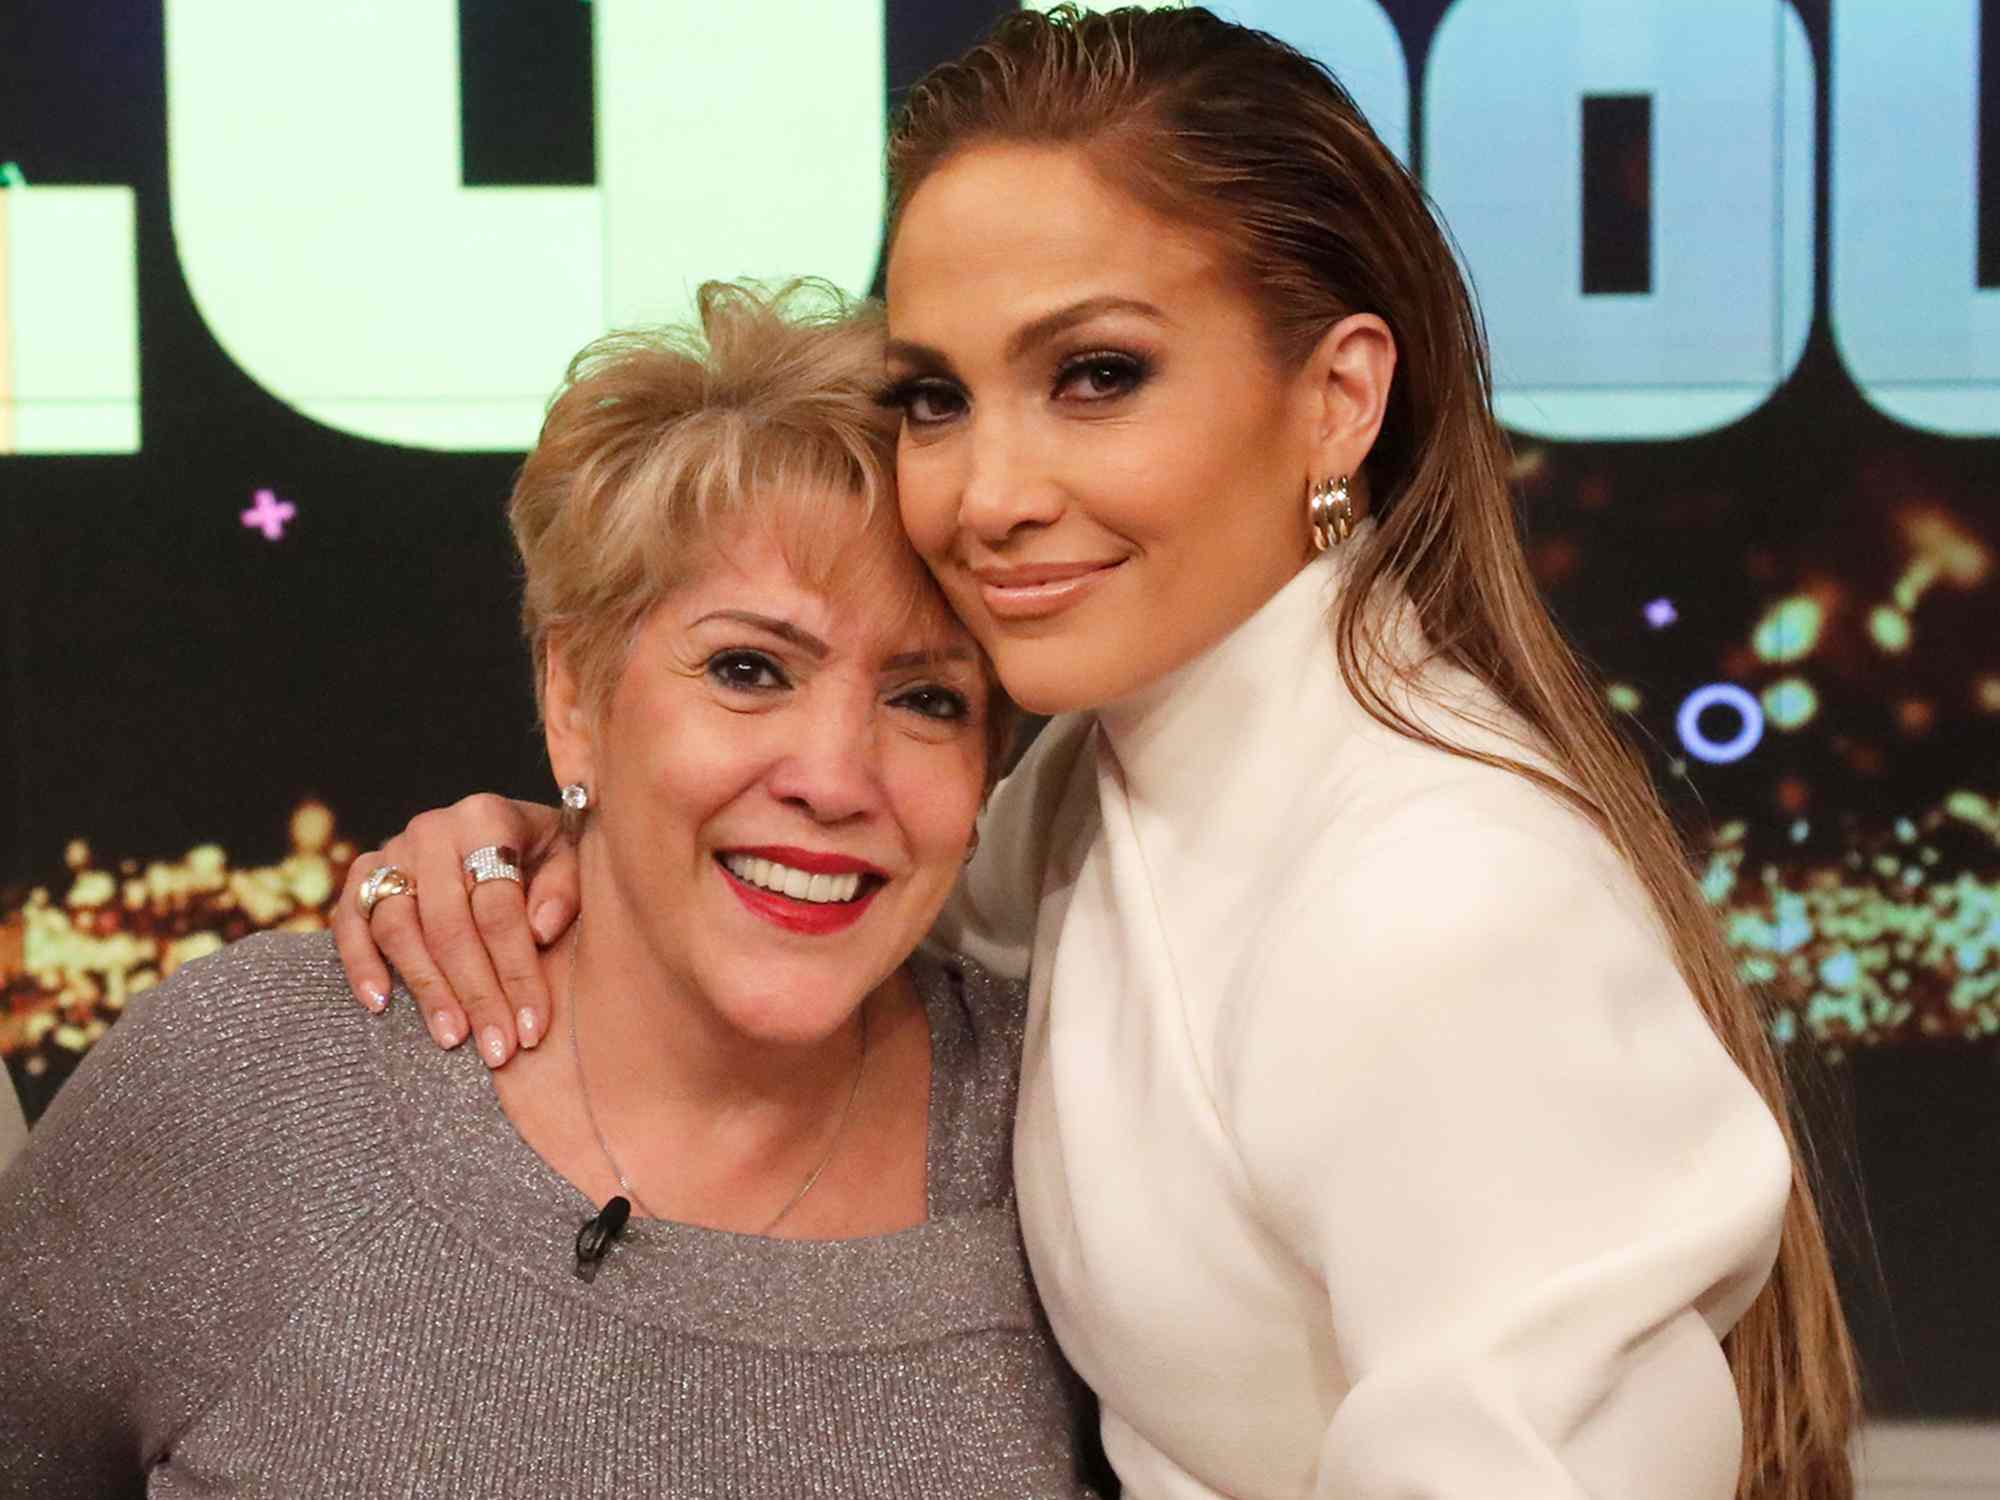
<point>810,918</point>
<point>812,861</point>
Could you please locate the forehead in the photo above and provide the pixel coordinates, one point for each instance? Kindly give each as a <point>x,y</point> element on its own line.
<point>1022,230</point>
<point>862,592</point>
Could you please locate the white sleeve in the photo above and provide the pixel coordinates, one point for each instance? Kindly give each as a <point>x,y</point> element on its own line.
<point>1476,1100</point>
<point>990,916</point>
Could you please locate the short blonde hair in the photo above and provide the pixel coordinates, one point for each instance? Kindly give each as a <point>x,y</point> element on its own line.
<point>768,408</point>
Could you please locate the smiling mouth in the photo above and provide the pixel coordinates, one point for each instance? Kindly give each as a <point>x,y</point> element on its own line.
<point>1031,593</point>
<point>816,888</point>
<point>827,900</point>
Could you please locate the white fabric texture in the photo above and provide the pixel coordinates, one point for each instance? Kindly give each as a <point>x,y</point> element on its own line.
<point>1370,1144</point>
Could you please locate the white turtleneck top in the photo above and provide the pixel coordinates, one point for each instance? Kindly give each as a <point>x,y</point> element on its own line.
<point>1370,1144</point>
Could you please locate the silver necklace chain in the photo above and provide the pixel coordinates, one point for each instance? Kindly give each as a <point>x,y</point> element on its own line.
<point>611,1160</point>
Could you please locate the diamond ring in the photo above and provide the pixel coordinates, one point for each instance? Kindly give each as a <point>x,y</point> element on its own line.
<point>493,862</point>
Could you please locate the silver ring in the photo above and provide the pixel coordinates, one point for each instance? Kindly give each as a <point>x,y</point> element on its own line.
<point>383,882</point>
<point>493,862</point>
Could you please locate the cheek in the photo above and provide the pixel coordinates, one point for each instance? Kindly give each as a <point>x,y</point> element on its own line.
<point>927,500</point>
<point>693,770</point>
<point>937,790</point>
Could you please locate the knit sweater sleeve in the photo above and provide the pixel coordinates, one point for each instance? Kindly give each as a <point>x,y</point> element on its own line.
<point>139,1226</point>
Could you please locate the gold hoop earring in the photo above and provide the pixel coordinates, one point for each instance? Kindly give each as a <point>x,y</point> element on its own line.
<point>1330,512</point>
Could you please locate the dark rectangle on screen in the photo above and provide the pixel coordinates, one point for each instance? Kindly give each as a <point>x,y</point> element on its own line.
<point>1987,176</point>
<point>527,89</point>
<point>1617,193</point>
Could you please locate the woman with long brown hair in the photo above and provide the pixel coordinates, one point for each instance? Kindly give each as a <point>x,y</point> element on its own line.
<point>1392,1118</point>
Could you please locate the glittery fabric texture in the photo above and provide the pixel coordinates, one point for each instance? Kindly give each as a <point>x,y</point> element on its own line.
<point>264,1244</point>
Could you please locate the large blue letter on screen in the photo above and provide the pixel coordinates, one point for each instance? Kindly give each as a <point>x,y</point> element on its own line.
<point>1731,84</point>
<point>1919,335</point>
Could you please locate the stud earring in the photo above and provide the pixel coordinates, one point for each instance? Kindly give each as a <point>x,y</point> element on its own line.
<point>1330,512</point>
<point>576,797</point>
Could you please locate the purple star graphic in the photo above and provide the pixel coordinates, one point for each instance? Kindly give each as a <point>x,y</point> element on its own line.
<point>269,514</point>
<point>1661,613</point>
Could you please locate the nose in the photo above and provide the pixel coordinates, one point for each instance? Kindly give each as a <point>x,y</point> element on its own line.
<point>1008,487</point>
<point>831,771</point>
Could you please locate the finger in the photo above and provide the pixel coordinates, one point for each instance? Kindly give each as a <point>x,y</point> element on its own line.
<point>367,975</point>
<point>500,910</point>
<point>455,943</point>
<point>397,928</point>
<point>553,892</point>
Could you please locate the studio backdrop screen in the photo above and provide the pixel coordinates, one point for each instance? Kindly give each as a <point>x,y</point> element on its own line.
<point>284,288</point>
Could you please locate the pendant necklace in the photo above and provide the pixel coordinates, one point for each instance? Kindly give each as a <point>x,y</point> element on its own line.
<point>611,1160</point>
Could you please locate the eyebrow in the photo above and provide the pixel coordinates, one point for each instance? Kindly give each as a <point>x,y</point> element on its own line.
<point>904,659</point>
<point>785,630</point>
<point>818,649</point>
<point>1031,334</point>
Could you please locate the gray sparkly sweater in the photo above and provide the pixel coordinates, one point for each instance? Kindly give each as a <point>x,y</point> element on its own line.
<point>264,1244</point>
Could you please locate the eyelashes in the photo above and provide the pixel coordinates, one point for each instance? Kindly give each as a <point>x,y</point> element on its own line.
<point>913,394</point>
<point>940,703</point>
<point>1102,375</point>
<point>742,670</point>
<point>1084,379</point>
<point>745,671</point>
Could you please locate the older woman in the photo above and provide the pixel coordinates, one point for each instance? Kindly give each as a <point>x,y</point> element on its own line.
<point>258,1248</point>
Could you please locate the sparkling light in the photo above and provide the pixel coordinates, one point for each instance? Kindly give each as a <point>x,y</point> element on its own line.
<point>1790,703</point>
<point>1789,630</point>
<point>269,515</point>
<point>1723,695</point>
<point>1890,628</point>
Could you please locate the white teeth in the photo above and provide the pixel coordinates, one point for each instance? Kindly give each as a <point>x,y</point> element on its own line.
<point>797,884</point>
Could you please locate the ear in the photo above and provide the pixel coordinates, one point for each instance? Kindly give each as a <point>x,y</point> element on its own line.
<point>566,723</point>
<point>1347,381</point>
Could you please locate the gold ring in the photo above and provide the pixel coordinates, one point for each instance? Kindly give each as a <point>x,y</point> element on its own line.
<point>383,881</point>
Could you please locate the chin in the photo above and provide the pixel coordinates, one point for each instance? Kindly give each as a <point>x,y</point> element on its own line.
<point>795,1011</point>
<point>1044,677</point>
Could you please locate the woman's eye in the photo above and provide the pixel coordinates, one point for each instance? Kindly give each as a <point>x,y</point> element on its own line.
<point>927,402</point>
<point>935,703</point>
<point>747,671</point>
<point>1100,377</point>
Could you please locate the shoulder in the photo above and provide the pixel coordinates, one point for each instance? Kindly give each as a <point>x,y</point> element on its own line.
<point>1438,892</point>
<point>977,1021</point>
<point>265,1019</point>
<point>213,1150</point>
<point>268,983</point>
<point>1037,810</point>
<point>1420,844</point>
<point>1025,813</point>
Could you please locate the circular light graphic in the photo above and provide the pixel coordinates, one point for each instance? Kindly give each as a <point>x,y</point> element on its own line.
<point>1720,695</point>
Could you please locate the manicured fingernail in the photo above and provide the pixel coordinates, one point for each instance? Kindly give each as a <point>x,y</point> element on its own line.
<point>528,1027</point>
<point>444,1026</point>
<point>547,922</point>
<point>492,1046</point>
<point>373,997</point>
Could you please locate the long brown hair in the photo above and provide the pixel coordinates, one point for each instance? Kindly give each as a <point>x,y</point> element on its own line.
<point>1226,128</point>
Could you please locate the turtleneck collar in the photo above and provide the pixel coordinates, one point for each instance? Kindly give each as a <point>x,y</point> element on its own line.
<point>1242,714</point>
